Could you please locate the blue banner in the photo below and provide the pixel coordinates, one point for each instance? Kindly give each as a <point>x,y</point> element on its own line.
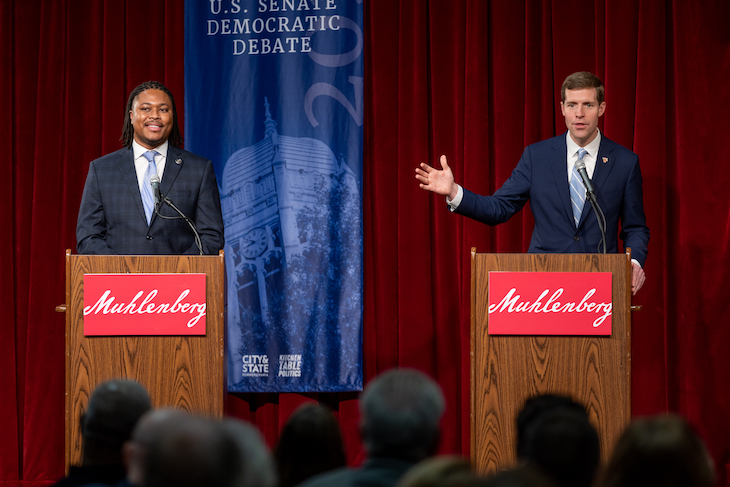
<point>274,97</point>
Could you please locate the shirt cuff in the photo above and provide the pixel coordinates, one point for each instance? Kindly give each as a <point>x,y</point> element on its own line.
<point>454,204</point>
<point>634,261</point>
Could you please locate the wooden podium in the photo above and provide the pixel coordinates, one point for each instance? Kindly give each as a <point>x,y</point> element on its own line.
<point>185,372</point>
<point>506,370</point>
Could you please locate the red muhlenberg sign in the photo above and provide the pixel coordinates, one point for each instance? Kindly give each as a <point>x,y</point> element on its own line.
<point>550,303</point>
<point>144,304</point>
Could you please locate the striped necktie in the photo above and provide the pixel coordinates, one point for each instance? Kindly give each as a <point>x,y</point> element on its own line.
<point>577,190</point>
<point>148,199</point>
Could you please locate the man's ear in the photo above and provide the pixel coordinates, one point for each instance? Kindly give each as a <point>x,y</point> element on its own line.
<point>133,461</point>
<point>601,108</point>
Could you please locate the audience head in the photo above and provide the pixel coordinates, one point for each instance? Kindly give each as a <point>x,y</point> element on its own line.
<point>565,445</point>
<point>310,443</point>
<point>536,406</point>
<point>170,448</point>
<point>113,410</point>
<point>401,410</point>
<point>256,467</point>
<point>660,450</point>
<point>441,471</point>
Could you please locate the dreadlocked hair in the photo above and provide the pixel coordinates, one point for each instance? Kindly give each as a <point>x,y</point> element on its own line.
<point>128,131</point>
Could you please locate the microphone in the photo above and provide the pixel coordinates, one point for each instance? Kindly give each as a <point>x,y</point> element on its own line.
<point>580,166</point>
<point>155,182</point>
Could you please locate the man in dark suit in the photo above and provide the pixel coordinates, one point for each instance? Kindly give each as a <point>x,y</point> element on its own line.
<point>544,175</point>
<point>118,214</point>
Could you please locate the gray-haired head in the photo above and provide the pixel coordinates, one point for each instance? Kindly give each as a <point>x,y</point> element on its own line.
<point>401,412</point>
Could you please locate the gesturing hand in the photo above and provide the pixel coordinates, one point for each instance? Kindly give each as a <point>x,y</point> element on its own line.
<point>438,181</point>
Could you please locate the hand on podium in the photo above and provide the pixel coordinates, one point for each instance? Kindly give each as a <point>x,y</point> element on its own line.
<point>637,278</point>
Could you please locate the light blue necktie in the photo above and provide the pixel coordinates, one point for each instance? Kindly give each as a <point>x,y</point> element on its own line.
<point>577,190</point>
<point>148,200</point>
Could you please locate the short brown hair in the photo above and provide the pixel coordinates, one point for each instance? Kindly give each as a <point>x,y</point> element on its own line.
<point>582,80</point>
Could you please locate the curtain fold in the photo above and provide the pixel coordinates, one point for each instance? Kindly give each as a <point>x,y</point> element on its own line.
<point>472,79</point>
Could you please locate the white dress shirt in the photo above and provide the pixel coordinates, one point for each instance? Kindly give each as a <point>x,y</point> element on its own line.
<point>141,162</point>
<point>589,158</point>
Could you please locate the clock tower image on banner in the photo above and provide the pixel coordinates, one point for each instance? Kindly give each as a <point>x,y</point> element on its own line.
<point>291,212</point>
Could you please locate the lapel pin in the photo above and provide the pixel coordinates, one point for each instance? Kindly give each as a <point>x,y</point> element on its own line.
<point>179,161</point>
<point>605,160</point>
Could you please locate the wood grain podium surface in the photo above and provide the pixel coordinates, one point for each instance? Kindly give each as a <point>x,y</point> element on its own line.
<point>506,370</point>
<point>185,372</point>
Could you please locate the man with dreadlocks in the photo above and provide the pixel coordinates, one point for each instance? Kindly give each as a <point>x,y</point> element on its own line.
<point>119,214</point>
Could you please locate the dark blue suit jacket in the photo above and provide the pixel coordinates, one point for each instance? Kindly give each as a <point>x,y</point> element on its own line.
<point>111,216</point>
<point>542,177</point>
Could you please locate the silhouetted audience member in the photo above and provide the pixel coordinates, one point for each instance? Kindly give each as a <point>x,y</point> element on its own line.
<point>662,451</point>
<point>565,445</point>
<point>520,476</point>
<point>114,408</point>
<point>310,443</point>
<point>441,471</point>
<point>256,465</point>
<point>538,405</point>
<point>172,449</point>
<point>401,410</point>
<point>149,427</point>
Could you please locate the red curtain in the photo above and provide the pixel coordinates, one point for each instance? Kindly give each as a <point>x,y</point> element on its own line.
<point>472,79</point>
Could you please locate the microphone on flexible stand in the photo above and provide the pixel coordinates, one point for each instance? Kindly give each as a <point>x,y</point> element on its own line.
<point>155,182</point>
<point>580,166</point>
<point>190,223</point>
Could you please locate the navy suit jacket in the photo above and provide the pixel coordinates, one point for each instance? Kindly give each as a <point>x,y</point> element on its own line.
<point>542,177</point>
<point>111,216</point>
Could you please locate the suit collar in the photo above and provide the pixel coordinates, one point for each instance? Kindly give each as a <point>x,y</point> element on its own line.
<point>604,163</point>
<point>125,163</point>
<point>558,161</point>
<point>600,173</point>
<point>175,162</point>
